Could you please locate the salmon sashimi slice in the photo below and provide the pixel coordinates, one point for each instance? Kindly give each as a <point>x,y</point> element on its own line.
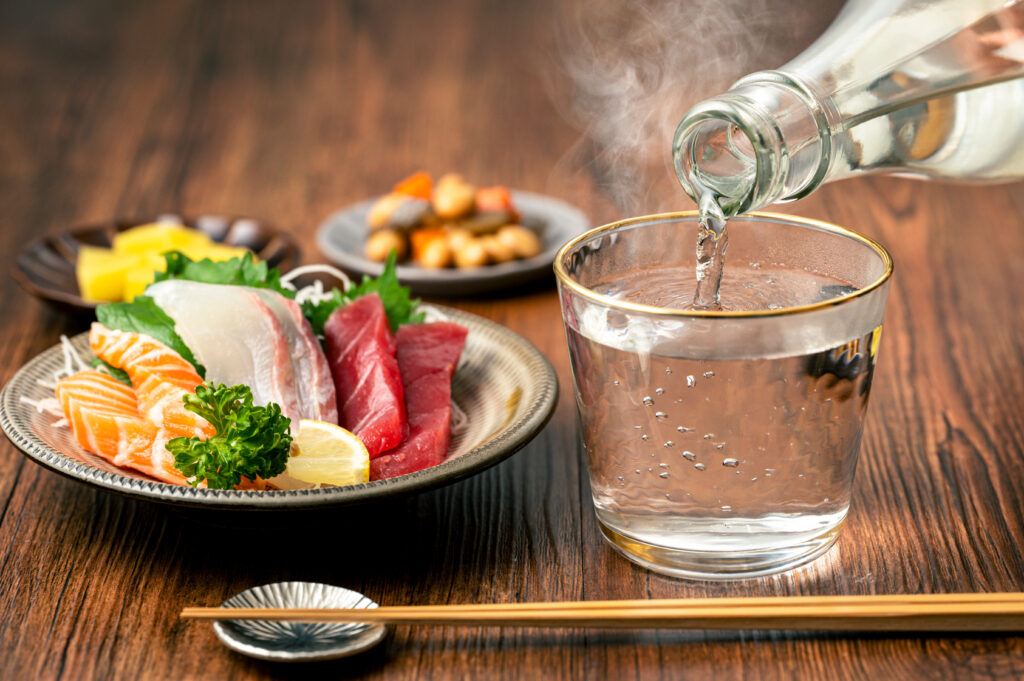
<point>427,357</point>
<point>104,417</point>
<point>160,377</point>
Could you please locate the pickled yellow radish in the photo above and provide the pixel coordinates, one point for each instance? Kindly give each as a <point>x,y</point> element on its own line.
<point>101,273</point>
<point>159,237</point>
<point>214,251</point>
<point>139,277</point>
<point>124,271</point>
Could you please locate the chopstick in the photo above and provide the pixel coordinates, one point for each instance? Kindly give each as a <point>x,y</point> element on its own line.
<point>924,612</point>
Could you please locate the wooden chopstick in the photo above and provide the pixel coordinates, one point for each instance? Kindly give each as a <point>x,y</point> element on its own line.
<point>926,612</point>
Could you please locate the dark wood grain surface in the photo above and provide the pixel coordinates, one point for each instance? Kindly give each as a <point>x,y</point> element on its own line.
<point>288,111</point>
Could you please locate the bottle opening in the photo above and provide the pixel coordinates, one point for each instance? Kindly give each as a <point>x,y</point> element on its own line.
<point>716,156</point>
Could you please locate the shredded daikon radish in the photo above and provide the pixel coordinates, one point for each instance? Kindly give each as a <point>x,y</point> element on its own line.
<point>315,291</point>
<point>459,419</point>
<point>47,405</point>
<point>72,360</point>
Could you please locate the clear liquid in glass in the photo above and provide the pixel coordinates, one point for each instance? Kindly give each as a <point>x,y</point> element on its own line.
<point>740,456</point>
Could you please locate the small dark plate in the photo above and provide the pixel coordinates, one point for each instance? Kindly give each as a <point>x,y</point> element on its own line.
<point>342,238</point>
<point>46,267</point>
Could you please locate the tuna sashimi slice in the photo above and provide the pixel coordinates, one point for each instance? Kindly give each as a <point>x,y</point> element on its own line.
<point>361,352</point>
<point>427,356</point>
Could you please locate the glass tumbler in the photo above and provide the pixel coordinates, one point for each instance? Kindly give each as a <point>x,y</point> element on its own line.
<point>722,443</point>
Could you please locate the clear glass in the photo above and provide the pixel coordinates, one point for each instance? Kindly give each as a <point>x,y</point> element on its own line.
<point>930,88</point>
<point>722,444</point>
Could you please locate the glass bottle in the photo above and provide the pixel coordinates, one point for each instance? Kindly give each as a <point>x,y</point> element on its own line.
<point>916,87</point>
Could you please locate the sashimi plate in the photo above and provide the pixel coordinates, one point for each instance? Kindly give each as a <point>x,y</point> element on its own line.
<point>503,384</point>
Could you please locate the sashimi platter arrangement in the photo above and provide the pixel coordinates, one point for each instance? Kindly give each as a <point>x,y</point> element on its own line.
<point>228,376</point>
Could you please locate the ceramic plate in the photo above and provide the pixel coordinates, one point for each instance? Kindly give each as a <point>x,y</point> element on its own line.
<point>342,236</point>
<point>504,385</point>
<point>46,267</point>
<point>283,641</point>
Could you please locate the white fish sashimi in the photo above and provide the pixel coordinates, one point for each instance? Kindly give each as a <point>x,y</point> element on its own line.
<point>317,397</point>
<point>236,336</point>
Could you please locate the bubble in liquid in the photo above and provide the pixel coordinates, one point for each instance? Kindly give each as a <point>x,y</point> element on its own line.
<point>720,445</point>
<point>730,463</point>
<point>727,509</point>
<point>637,471</point>
<point>644,437</point>
<point>636,427</point>
<point>659,391</point>
<point>699,466</point>
<point>662,465</point>
<point>708,436</point>
<point>663,476</point>
<point>660,415</point>
<point>668,370</point>
<point>709,374</point>
<point>669,443</point>
<point>648,401</point>
<point>620,478</point>
<point>690,381</point>
<point>689,456</point>
<point>755,265</point>
<point>684,429</point>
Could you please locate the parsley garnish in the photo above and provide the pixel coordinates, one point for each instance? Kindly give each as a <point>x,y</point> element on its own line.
<point>251,442</point>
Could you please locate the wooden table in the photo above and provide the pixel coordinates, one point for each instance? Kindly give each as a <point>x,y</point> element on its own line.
<point>288,111</point>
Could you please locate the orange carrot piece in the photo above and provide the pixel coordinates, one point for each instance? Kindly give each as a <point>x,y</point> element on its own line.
<point>495,199</point>
<point>418,185</point>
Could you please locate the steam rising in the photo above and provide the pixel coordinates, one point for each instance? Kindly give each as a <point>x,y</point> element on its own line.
<point>632,68</point>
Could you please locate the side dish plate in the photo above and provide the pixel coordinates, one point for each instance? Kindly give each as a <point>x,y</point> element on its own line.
<point>342,238</point>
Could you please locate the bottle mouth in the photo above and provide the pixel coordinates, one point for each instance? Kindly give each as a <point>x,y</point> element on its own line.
<point>741,147</point>
<point>725,147</point>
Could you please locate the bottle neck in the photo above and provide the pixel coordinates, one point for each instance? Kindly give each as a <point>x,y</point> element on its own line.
<point>767,139</point>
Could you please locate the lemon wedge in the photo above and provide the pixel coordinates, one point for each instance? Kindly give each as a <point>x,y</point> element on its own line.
<point>326,454</point>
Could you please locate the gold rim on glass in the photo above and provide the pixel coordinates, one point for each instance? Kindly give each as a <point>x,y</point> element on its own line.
<point>579,289</point>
